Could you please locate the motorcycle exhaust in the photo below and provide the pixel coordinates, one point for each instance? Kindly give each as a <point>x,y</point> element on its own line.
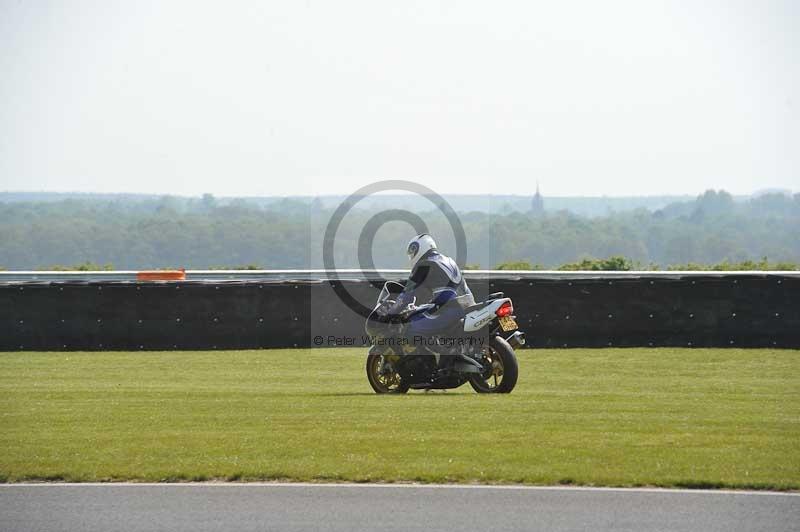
<point>516,339</point>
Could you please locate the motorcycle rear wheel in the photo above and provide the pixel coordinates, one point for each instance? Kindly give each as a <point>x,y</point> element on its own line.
<point>383,383</point>
<point>503,373</point>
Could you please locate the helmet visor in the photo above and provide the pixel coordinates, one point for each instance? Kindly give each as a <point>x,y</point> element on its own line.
<point>413,249</point>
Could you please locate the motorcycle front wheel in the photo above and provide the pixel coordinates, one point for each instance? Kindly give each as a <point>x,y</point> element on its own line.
<point>381,380</point>
<point>501,369</point>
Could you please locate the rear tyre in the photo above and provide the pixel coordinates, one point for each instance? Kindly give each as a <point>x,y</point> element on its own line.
<point>501,368</point>
<point>381,380</point>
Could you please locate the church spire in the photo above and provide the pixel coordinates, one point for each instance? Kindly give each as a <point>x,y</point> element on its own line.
<point>537,204</point>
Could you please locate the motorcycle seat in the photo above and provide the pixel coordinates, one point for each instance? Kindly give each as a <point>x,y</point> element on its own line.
<point>491,297</point>
<point>477,306</point>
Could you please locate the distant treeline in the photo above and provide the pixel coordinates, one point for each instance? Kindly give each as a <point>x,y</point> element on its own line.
<point>493,204</point>
<point>136,233</point>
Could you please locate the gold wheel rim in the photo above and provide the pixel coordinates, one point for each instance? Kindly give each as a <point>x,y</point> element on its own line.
<point>389,382</point>
<point>495,376</point>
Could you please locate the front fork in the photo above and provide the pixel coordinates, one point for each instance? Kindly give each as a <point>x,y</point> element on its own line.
<point>388,358</point>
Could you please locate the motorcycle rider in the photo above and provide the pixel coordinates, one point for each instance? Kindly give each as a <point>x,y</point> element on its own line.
<point>436,280</point>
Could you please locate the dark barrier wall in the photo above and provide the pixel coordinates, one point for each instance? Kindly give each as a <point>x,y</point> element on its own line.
<point>731,310</point>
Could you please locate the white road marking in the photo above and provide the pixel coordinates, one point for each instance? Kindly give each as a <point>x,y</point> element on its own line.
<point>362,485</point>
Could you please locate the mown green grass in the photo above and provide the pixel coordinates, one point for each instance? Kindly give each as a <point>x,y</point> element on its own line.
<point>620,417</point>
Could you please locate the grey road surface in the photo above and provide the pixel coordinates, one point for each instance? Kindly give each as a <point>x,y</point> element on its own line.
<point>348,507</point>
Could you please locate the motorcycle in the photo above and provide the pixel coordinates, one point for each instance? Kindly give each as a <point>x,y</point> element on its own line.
<point>478,348</point>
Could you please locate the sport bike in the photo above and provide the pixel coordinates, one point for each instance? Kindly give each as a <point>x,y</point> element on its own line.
<point>478,348</point>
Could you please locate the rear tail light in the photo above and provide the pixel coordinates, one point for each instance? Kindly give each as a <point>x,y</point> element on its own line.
<point>505,309</point>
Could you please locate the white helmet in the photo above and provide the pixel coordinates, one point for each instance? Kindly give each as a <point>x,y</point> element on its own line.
<point>419,246</point>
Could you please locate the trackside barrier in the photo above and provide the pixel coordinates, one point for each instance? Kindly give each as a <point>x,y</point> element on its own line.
<point>261,309</point>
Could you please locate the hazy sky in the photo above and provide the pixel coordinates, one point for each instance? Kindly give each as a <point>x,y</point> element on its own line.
<point>291,97</point>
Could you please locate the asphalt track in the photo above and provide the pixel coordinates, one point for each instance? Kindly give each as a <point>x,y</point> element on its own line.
<point>348,507</point>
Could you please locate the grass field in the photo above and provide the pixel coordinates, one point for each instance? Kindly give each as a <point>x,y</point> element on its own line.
<point>619,417</point>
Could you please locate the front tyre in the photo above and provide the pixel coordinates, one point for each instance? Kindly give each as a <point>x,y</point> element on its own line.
<point>501,366</point>
<point>382,377</point>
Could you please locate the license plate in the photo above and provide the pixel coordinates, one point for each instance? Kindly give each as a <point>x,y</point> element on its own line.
<point>507,323</point>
